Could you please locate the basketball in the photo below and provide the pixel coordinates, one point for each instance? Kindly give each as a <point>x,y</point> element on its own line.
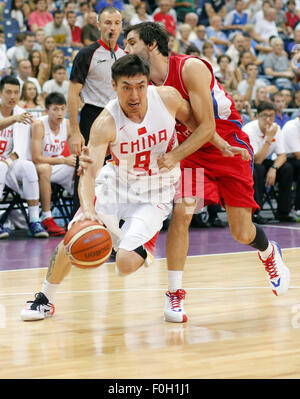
<point>88,244</point>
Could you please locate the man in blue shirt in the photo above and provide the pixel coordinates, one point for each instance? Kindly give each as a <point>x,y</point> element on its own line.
<point>106,3</point>
<point>279,101</point>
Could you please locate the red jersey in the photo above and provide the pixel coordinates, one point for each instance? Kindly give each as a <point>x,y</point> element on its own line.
<point>224,108</point>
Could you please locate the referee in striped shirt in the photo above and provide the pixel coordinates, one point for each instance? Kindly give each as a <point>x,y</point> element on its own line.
<point>90,81</point>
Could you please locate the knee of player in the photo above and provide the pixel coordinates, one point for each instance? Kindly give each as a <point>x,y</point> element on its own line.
<point>44,170</point>
<point>126,263</point>
<point>242,234</point>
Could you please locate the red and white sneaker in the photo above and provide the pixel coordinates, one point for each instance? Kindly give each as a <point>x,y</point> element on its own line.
<point>174,310</point>
<point>278,273</point>
<point>38,309</point>
<point>52,228</point>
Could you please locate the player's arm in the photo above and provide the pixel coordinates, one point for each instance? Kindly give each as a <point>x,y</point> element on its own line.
<point>103,131</point>
<point>197,79</point>
<point>76,140</point>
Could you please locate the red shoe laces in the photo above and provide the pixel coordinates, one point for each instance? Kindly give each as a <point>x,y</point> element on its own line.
<point>176,298</point>
<point>270,265</point>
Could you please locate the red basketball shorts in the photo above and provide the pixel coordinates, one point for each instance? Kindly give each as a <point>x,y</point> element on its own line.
<point>226,180</point>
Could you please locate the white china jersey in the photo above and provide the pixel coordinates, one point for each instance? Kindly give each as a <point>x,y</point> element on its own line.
<point>53,144</point>
<point>6,135</point>
<point>136,149</point>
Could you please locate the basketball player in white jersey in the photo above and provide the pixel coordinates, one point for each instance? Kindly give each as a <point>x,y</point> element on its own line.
<point>16,171</point>
<point>137,128</point>
<point>50,134</point>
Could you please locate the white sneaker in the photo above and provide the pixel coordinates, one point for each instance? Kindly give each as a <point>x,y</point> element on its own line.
<point>278,273</point>
<point>38,309</point>
<point>174,310</point>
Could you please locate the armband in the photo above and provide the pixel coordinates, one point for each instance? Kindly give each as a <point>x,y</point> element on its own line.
<point>9,162</point>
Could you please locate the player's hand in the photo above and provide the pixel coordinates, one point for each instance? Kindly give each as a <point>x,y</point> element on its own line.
<point>84,161</point>
<point>25,118</point>
<point>90,215</point>
<point>76,142</point>
<point>166,162</point>
<point>70,160</point>
<point>231,151</point>
<point>270,177</point>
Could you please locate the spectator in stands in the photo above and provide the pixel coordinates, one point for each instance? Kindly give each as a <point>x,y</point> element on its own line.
<point>83,9</point>
<point>210,9</point>
<point>291,138</point>
<point>292,16</point>
<point>30,99</point>
<point>208,55</point>
<point>24,75</point>
<point>280,19</point>
<point>165,17</point>
<point>129,10</point>
<point>58,30</point>
<point>266,139</point>
<point>49,137</point>
<point>296,40</point>
<point>277,65</point>
<point>75,30</point>
<point>141,14</point>
<point>266,26</point>
<point>48,48</point>
<point>16,171</point>
<point>22,52</point>
<point>57,58</point>
<point>243,107</point>
<point>253,7</point>
<point>192,50</point>
<point>106,3</point>
<point>183,42</point>
<point>182,8</point>
<point>296,104</point>
<point>70,6</point>
<point>261,13</point>
<point>244,60</point>
<point>90,32</point>
<point>191,18</point>
<point>288,95</point>
<point>40,17</point>
<point>5,65</point>
<point>18,42</point>
<point>16,12</point>
<point>236,49</point>
<point>59,83</point>
<point>39,39</point>
<point>172,44</point>
<point>258,46</point>
<point>201,37</point>
<point>236,19</point>
<point>262,95</point>
<point>215,34</point>
<point>225,75</point>
<point>37,67</point>
<point>248,87</point>
<point>281,117</point>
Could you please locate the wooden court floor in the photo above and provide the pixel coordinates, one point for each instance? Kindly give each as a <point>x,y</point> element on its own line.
<point>107,326</point>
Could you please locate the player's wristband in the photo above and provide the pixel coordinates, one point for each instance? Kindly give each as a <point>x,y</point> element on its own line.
<point>9,162</point>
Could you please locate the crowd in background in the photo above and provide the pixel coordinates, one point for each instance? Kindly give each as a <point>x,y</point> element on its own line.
<point>252,45</point>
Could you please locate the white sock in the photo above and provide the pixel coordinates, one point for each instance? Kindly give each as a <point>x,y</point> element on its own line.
<point>174,280</point>
<point>33,213</point>
<point>49,290</point>
<point>265,254</point>
<point>46,215</point>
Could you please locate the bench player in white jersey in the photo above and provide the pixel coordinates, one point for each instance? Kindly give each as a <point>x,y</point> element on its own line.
<point>137,128</point>
<point>50,134</point>
<point>16,171</point>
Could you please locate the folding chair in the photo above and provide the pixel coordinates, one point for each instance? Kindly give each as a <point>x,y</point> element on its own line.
<point>12,200</point>
<point>63,202</point>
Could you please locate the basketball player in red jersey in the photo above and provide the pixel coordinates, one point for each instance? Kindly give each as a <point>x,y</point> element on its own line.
<point>227,181</point>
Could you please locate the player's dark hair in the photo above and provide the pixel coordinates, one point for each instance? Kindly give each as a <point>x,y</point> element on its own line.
<point>265,105</point>
<point>55,98</point>
<point>130,65</point>
<point>151,32</point>
<point>10,80</point>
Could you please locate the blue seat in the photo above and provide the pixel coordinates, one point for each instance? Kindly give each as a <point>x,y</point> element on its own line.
<point>11,25</point>
<point>66,50</point>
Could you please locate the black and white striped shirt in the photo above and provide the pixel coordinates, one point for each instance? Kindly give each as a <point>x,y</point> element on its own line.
<point>92,68</point>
